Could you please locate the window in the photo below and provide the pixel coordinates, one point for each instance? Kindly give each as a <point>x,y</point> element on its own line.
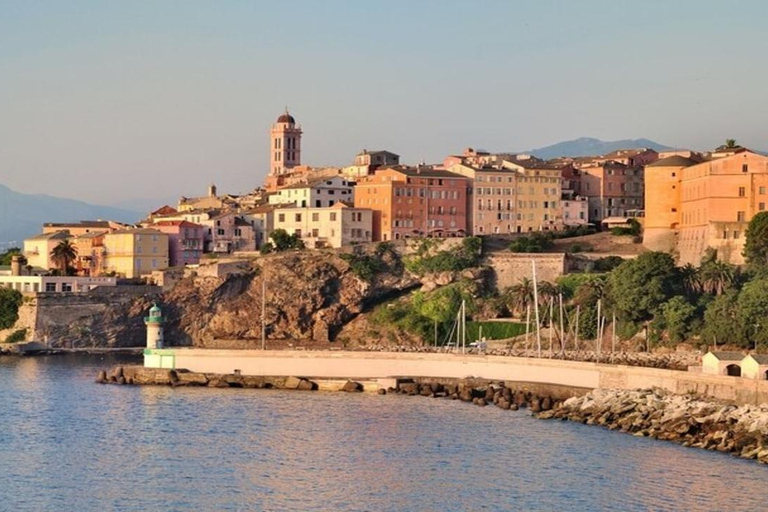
<point>280,217</point>
<point>298,217</point>
<point>761,207</point>
<point>50,287</point>
<point>315,217</point>
<point>745,168</point>
<point>238,232</point>
<point>333,216</point>
<point>220,232</point>
<point>740,216</point>
<point>742,191</point>
<point>297,233</point>
<point>315,232</point>
<point>66,287</point>
<point>736,235</point>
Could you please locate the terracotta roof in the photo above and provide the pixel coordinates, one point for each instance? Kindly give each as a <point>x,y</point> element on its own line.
<point>165,210</point>
<point>182,223</point>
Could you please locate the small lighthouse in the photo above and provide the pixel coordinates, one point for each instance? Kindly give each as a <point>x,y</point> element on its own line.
<point>154,323</point>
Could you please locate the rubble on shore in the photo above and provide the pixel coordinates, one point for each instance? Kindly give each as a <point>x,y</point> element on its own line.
<point>686,419</point>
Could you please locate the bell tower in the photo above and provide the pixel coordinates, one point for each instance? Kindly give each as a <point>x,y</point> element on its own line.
<point>285,145</point>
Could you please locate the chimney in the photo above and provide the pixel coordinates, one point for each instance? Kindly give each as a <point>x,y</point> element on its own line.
<point>16,265</point>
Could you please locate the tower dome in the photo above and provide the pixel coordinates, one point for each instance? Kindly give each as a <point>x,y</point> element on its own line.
<point>286,118</point>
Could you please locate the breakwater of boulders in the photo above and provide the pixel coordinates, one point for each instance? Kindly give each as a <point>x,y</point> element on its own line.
<point>686,419</point>
<point>480,392</point>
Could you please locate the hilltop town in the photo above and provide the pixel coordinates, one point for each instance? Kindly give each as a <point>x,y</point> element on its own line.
<point>581,214</point>
<point>685,201</point>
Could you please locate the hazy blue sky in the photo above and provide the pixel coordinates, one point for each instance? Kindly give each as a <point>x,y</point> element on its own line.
<point>111,100</point>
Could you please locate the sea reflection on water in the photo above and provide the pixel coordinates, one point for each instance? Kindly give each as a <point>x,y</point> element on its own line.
<point>69,444</point>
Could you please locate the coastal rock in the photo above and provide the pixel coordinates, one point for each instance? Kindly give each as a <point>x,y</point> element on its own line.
<point>352,387</point>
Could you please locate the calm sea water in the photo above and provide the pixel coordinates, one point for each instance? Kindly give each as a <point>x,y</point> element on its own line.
<point>67,444</point>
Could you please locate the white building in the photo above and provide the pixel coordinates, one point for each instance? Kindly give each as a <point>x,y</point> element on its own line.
<point>335,226</point>
<point>54,284</point>
<point>316,194</point>
<point>575,211</point>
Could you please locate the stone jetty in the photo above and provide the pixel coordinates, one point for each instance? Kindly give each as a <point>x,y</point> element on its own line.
<point>686,419</point>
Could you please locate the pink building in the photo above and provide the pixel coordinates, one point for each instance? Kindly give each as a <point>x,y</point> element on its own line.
<point>185,241</point>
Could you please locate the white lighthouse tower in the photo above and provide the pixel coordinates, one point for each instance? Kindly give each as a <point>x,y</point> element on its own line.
<point>154,323</point>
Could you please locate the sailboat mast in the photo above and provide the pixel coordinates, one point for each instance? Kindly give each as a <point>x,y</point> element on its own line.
<point>536,305</point>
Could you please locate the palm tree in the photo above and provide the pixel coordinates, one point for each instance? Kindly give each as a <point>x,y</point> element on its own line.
<point>547,292</point>
<point>519,296</point>
<point>730,143</point>
<point>690,278</point>
<point>717,276</point>
<point>63,255</point>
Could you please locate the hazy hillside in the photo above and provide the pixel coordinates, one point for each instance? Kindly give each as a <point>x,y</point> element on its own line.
<point>587,146</point>
<point>22,215</point>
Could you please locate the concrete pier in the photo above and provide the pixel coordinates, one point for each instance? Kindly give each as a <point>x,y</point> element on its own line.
<point>340,365</point>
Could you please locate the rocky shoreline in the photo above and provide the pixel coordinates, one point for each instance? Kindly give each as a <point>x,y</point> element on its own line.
<point>685,419</point>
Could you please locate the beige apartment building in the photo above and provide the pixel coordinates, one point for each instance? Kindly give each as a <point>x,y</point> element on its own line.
<point>335,226</point>
<point>135,252</point>
<point>37,250</point>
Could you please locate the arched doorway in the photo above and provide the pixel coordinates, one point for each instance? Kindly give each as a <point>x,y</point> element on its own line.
<point>733,370</point>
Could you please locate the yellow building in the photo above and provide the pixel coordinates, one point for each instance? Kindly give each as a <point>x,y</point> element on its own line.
<point>135,252</point>
<point>38,249</point>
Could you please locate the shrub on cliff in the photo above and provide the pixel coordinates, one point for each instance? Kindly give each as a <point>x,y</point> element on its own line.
<point>16,336</point>
<point>10,300</point>
<point>466,255</point>
<point>367,265</point>
<point>536,242</point>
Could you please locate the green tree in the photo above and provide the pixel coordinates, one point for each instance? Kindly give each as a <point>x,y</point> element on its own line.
<point>637,288</point>
<point>10,301</point>
<point>536,242</point>
<point>282,241</point>
<point>731,143</point>
<point>689,277</point>
<point>678,315</point>
<point>756,244</point>
<point>752,310</point>
<point>519,296</point>
<point>5,257</point>
<point>716,276</point>
<point>721,322</point>
<point>63,255</point>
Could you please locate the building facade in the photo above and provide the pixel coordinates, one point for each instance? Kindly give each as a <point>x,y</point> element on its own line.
<point>613,189</point>
<point>185,241</point>
<point>718,198</point>
<point>320,193</point>
<point>336,226</point>
<point>37,250</point>
<point>414,202</point>
<point>136,252</point>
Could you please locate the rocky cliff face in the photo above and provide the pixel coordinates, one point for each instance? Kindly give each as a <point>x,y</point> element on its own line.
<point>309,296</point>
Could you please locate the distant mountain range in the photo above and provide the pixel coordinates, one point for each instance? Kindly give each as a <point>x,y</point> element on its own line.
<point>587,146</point>
<point>23,215</point>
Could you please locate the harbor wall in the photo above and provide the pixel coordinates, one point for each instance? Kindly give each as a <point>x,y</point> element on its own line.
<point>382,365</point>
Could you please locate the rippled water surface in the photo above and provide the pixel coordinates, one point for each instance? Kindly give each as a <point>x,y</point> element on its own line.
<point>67,445</point>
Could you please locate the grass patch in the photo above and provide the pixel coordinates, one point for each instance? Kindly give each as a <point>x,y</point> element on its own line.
<point>494,330</point>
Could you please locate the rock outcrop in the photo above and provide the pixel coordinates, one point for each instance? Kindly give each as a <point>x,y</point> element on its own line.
<point>685,419</point>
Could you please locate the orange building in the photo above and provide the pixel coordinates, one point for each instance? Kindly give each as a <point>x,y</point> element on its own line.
<point>715,201</point>
<point>662,202</point>
<point>414,202</point>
